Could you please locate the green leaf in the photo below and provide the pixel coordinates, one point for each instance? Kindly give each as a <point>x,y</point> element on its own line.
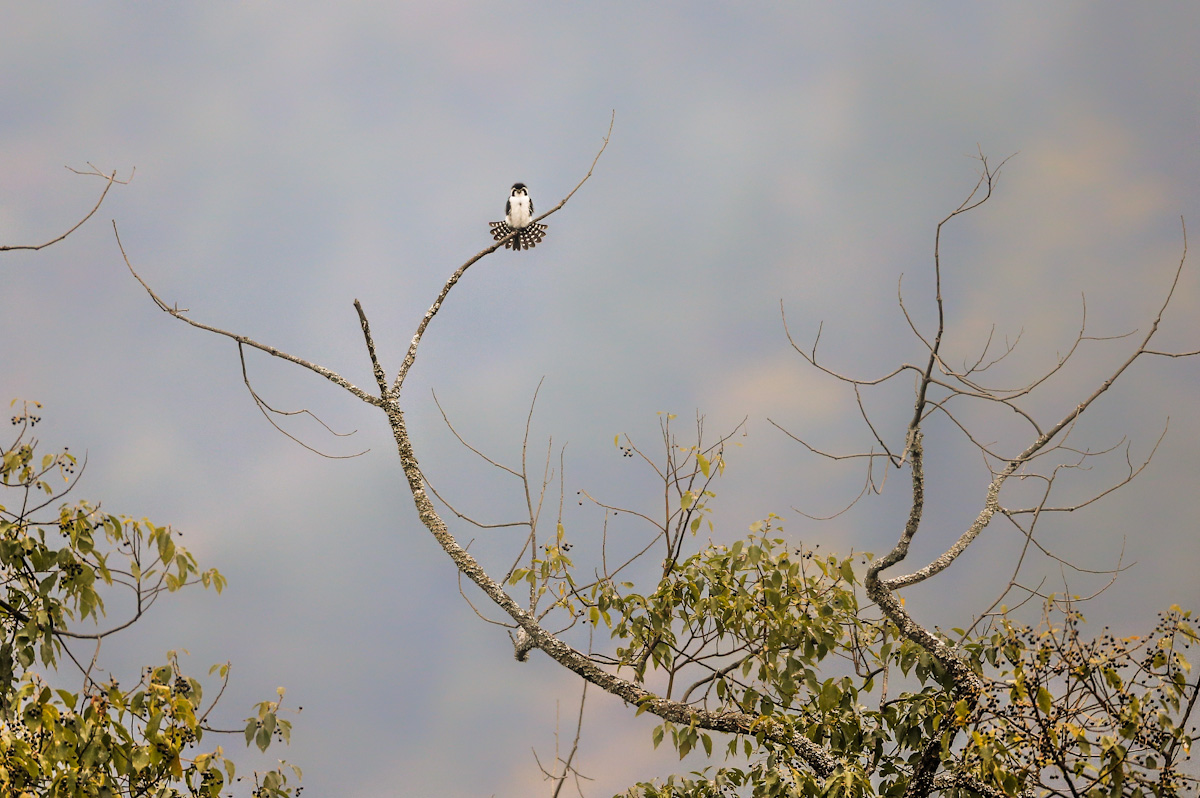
<point>152,726</point>
<point>830,696</point>
<point>847,571</point>
<point>47,584</point>
<point>686,743</point>
<point>1044,700</point>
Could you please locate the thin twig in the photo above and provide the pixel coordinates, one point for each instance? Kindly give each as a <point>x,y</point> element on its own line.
<point>179,313</point>
<point>111,178</point>
<point>263,408</point>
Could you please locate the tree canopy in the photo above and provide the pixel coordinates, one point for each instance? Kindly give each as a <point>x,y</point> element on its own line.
<point>67,729</point>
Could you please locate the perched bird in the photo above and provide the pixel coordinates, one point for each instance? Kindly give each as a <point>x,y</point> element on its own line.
<point>518,216</point>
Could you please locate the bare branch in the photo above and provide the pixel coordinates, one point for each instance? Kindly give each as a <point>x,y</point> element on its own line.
<point>568,767</point>
<point>829,455</point>
<point>179,313</point>
<point>812,358</point>
<point>460,439</point>
<point>863,411</point>
<point>866,488</point>
<point>110,178</point>
<point>468,518</point>
<point>1172,354</point>
<point>1129,477</point>
<point>264,408</point>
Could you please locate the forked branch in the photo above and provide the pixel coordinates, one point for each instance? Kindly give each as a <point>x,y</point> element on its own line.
<point>110,178</point>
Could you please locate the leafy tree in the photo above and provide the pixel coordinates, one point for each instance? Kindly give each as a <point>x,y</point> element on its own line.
<point>807,670</point>
<point>67,729</point>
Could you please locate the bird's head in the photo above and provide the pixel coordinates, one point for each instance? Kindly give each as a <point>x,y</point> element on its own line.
<point>519,190</point>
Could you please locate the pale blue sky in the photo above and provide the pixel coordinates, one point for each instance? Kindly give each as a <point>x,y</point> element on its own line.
<point>292,157</point>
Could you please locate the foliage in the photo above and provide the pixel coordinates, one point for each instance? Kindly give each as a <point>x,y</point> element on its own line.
<point>103,739</point>
<point>786,635</point>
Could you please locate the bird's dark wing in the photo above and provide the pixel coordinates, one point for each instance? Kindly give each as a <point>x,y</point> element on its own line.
<point>508,206</point>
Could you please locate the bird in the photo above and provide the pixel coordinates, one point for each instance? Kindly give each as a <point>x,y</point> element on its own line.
<point>518,216</point>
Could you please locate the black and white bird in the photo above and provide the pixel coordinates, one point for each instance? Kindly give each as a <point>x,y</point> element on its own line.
<point>518,216</point>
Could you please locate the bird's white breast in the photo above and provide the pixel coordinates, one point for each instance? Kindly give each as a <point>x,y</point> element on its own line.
<point>518,212</point>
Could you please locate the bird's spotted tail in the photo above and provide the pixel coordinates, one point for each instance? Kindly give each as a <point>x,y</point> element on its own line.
<point>526,238</point>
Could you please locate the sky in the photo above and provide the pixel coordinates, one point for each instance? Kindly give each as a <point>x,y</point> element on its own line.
<point>293,157</point>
